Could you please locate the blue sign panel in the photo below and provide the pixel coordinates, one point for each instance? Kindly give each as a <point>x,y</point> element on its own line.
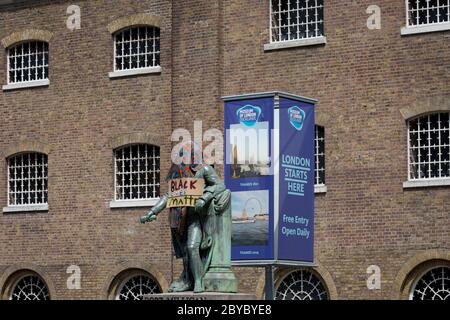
<point>249,175</point>
<point>269,152</point>
<point>296,181</point>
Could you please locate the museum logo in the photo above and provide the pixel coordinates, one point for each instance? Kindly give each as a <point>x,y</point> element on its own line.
<point>249,115</point>
<point>296,117</point>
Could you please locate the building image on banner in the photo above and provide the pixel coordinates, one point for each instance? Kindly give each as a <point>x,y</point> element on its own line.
<point>249,145</point>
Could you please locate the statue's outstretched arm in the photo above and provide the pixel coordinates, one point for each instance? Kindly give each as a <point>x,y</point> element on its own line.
<point>161,204</point>
<point>156,209</point>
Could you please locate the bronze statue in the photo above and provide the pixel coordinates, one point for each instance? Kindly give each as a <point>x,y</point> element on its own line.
<point>201,235</point>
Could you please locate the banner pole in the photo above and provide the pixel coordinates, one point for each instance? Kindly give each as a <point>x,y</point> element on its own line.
<point>269,287</point>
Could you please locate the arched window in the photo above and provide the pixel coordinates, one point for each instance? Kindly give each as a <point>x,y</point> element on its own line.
<point>137,172</point>
<point>137,48</point>
<point>136,286</point>
<point>27,179</point>
<point>28,62</point>
<point>429,146</point>
<point>434,284</point>
<point>30,287</point>
<point>319,142</point>
<point>302,284</point>
<point>296,20</point>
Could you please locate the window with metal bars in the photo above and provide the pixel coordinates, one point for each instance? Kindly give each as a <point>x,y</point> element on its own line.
<point>296,19</point>
<point>429,144</point>
<point>433,285</point>
<point>27,179</point>
<point>30,287</point>
<point>137,48</point>
<point>137,171</point>
<point>427,12</point>
<point>135,287</point>
<point>302,284</point>
<point>28,62</point>
<point>319,142</point>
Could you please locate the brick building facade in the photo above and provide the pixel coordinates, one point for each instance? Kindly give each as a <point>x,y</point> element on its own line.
<point>369,83</point>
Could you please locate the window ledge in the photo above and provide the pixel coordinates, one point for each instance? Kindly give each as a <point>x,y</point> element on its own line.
<point>320,188</point>
<point>133,203</point>
<point>295,43</point>
<point>30,208</point>
<point>134,72</point>
<point>24,85</point>
<point>426,183</point>
<point>425,28</point>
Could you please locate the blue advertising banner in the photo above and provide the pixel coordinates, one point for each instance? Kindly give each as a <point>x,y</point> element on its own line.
<point>269,153</point>
<point>249,175</point>
<point>296,181</point>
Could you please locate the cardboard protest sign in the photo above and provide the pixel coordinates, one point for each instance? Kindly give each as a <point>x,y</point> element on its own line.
<point>183,192</point>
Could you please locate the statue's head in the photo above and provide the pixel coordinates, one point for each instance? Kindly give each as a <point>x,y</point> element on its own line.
<point>186,160</point>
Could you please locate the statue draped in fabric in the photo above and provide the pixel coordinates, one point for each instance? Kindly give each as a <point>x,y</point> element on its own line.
<point>201,235</point>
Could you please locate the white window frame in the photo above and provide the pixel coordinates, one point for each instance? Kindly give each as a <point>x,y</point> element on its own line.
<point>132,203</point>
<point>421,275</point>
<point>43,283</point>
<point>29,83</point>
<point>313,275</point>
<point>136,275</point>
<point>284,44</point>
<point>424,28</point>
<point>12,208</point>
<point>422,182</point>
<point>318,187</point>
<point>136,71</point>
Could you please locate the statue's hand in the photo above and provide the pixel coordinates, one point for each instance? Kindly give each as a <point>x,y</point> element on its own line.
<point>151,216</point>
<point>143,219</point>
<point>199,204</point>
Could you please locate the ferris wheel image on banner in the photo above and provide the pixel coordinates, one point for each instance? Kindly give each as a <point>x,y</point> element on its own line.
<point>252,208</point>
<point>250,218</point>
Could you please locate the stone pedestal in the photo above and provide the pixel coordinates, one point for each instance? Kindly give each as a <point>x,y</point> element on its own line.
<point>200,296</point>
<point>220,277</point>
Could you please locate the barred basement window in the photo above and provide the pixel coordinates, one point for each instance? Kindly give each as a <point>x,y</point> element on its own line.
<point>296,19</point>
<point>137,48</point>
<point>319,172</point>
<point>27,179</point>
<point>433,285</point>
<point>136,287</point>
<point>301,285</point>
<point>429,146</point>
<point>427,12</point>
<point>30,287</point>
<point>137,172</point>
<point>27,62</point>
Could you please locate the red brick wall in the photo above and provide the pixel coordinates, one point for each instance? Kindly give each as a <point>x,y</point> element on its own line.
<point>213,48</point>
<point>78,115</point>
<point>361,78</point>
